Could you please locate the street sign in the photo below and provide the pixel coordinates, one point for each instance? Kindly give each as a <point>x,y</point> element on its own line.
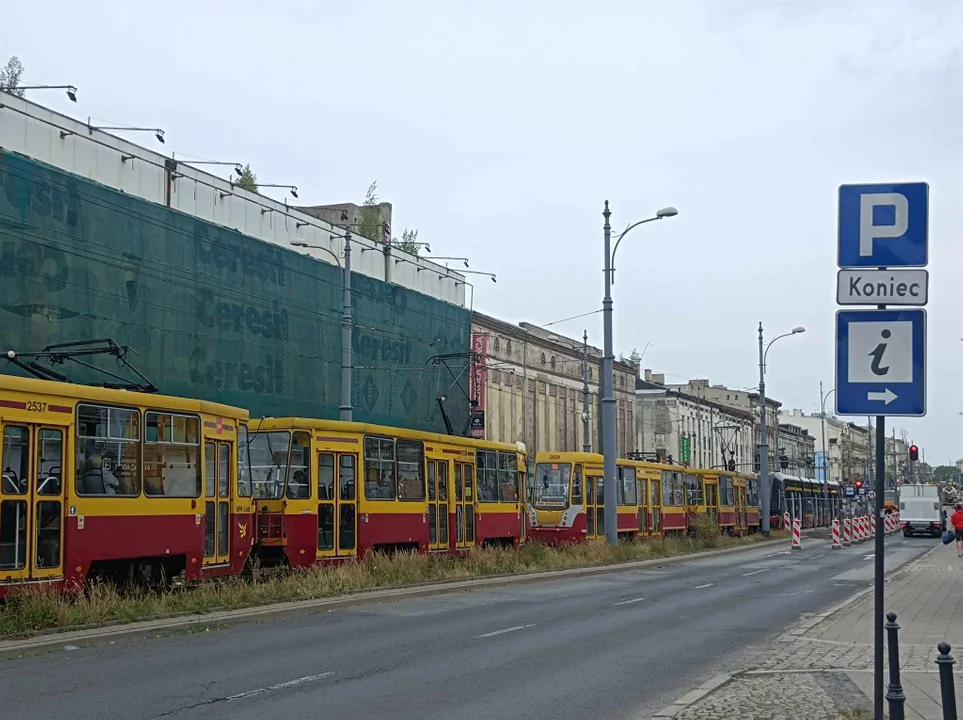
<point>850,492</point>
<point>881,362</point>
<point>862,492</point>
<point>883,225</point>
<point>883,287</point>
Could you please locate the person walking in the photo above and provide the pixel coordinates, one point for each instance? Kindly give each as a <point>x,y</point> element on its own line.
<point>956,520</point>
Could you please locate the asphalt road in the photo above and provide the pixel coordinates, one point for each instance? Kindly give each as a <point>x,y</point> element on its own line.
<point>615,646</point>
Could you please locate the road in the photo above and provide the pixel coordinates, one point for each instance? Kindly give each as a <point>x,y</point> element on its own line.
<point>614,646</point>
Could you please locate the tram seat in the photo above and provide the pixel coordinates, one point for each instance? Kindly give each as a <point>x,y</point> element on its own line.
<point>93,483</point>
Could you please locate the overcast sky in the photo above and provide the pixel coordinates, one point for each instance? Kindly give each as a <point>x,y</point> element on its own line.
<point>498,128</point>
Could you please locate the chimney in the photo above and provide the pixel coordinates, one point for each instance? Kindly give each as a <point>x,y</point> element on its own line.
<point>648,375</point>
<point>658,378</point>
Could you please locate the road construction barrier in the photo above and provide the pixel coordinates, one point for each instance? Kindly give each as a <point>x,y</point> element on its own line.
<point>847,532</point>
<point>872,526</point>
<point>786,523</point>
<point>797,534</point>
<point>837,545</point>
<point>860,537</point>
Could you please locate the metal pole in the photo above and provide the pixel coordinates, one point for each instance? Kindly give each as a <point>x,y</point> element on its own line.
<point>878,614</point>
<point>608,399</point>
<point>587,434</point>
<point>347,411</point>
<point>894,693</point>
<point>822,403</point>
<point>947,689</point>
<point>765,490</point>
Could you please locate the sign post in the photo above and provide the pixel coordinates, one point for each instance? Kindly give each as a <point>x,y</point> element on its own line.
<point>881,354</point>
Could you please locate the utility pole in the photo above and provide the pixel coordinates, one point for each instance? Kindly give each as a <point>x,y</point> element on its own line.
<point>587,433</point>
<point>609,447</point>
<point>347,412</point>
<point>764,486</point>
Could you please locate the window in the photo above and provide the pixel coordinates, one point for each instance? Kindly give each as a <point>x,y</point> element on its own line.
<point>243,462</point>
<point>347,478</point>
<point>379,468</point>
<point>299,467</point>
<point>488,477</point>
<point>577,486</point>
<point>628,490</point>
<point>411,470</point>
<point>678,486</point>
<point>508,348</point>
<point>108,451</point>
<point>673,489</point>
<point>752,493</point>
<point>693,488</point>
<point>172,449</point>
<point>551,484</point>
<point>326,477</point>
<point>726,491</point>
<point>268,453</point>
<point>507,478</point>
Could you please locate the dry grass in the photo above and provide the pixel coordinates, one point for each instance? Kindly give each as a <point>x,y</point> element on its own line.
<point>856,714</point>
<point>29,612</point>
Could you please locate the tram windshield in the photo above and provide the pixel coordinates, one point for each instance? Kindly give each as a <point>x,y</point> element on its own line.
<point>268,453</point>
<point>552,482</point>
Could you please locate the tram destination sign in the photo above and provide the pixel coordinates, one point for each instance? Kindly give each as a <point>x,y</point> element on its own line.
<point>908,286</point>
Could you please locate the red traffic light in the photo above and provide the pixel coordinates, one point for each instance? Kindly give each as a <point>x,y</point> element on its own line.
<point>914,453</point>
<point>859,484</point>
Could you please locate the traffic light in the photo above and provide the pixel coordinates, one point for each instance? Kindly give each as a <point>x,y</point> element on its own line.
<point>914,453</point>
<point>859,484</point>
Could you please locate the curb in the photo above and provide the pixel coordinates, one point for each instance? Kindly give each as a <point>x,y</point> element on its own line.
<point>801,627</point>
<point>10,649</point>
<point>692,697</point>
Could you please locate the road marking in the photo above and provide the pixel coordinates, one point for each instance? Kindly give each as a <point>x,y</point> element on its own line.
<point>784,552</point>
<point>628,602</point>
<point>869,557</point>
<point>506,630</point>
<point>699,587</point>
<point>756,572</point>
<point>816,557</point>
<point>279,686</point>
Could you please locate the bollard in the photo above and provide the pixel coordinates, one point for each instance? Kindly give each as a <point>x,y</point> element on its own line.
<point>894,693</point>
<point>786,524</point>
<point>836,544</point>
<point>872,526</point>
<point>797,534</point>
<point>948,692</point>
<point>847,532</point>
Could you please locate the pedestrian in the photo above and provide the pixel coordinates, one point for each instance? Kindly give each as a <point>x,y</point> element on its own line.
<point>956,520</point>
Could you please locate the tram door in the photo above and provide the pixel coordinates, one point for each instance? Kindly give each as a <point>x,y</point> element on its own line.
<point>642,493</point>
<point>437,505</point>
<point>594,506</point>
<point>337,504</point>
<point>740,509</point>
<point>31,502</point>
<point>712,500</point>
<point>464,505</point>
<point>655,506</point>
<point>218,461</point>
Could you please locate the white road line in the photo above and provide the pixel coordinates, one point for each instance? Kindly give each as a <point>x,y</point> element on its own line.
<point>784,552</point>
<point>756,572</point>
<point>279,686</point>
<point>506,630</point>
<point>816,557</point>
<point>628,602</point>
<point>699,587</point>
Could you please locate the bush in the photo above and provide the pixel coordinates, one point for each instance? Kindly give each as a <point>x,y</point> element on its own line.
<point>705,530</point>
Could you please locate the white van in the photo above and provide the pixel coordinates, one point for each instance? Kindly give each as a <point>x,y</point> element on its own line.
<point>920,510</point>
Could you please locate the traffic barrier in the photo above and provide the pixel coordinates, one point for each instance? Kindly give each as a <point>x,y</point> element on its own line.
<point>872,526</point>
<point>797,534</point>
<point>860,529</point>
<point>836,544</point>
<point>786,524</point>
<point>857,531</point>
<point>847,532</point>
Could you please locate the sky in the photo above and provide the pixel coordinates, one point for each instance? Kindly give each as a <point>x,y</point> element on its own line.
<point>498,129</point>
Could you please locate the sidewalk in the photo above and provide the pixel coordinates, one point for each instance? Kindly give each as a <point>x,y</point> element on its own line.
<point>824,666</point>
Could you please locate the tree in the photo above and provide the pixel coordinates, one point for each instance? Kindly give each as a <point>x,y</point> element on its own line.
<point>370,225</point>
<point>945,474</point>
<point>409,242</point>
<point>10,75</point>
<point>247,180</point>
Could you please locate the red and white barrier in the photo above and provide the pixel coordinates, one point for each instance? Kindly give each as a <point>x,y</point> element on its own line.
<point>797,534</point>
<point>786,524</point>
<point>872,526</point>
<point>859,530</point>
<point>847,532</point>
<point>837,545</point>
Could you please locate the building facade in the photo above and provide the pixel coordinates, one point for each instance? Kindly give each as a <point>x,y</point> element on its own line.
<point>796,451</point>
<point>844,458</point>
<point>529,385</point>
<point>690,429</point>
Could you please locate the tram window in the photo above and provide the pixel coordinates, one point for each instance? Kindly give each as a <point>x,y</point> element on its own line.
<point>326,477</point>
<point>210,468</point>
<point>299,467</point>
<point>552,484</point>
<point>16,460</point>
<point>13,534</point>
<point>411,470</point>
<point>48,520</point>
<point>50,451</point>
<point>443,489</point>
<point>693,489</point>
<point>668,497</point>
<point>243,463</point>
<point>507,478</point>
<point>678,486</point>
<point>268,453</point>
<point>225,469</point>
<point>108,451</point>
<point>629,489</point>
<point>432,485</point>
<point>172,465</point>
<point>487,470</point>
<point>577,486</point>
<point>469,484</point>
<point>752,493</point>
<point>726,491</point>
<point>379,468</point>
<point>347,477</point>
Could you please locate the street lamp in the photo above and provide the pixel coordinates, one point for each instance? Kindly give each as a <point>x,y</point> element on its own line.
<point>765,489</point>
<point>609,449</point>
<point>346,410</point>
<point>71,90</point>
<point>158,133</point>
<point>822,415</point>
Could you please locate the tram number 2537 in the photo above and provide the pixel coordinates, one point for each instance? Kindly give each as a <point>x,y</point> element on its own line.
<point>36,406</point>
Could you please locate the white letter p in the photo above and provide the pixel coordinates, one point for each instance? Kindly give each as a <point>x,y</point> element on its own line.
<point>868,231</point>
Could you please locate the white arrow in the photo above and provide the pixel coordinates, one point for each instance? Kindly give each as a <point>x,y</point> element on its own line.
<point>887,396</point>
